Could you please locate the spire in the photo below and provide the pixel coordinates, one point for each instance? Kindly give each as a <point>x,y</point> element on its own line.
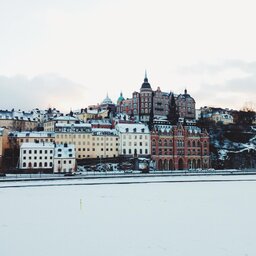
<point>185,91</point>
<point>146,76</point>
<point>146,84</point>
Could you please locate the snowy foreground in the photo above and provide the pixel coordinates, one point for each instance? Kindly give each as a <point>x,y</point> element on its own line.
<point>176,218</point>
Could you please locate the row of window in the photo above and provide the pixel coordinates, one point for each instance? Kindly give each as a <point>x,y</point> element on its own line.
<point>36,140</point>
<point>37,151</point>
<point>134,144</point>
<point>35,157</point>
<point>130,151</point>
<point>35,164</point>
<point>135,137</point>
<point>65,161</point>
<point>179,152</point>
<point>179,143</point>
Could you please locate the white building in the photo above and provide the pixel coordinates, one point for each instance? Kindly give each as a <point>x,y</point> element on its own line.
<point>47,156</point>
<point>134,139</point>
<point>64,158</point>
<point>224,118</point>
<point>36,156</point>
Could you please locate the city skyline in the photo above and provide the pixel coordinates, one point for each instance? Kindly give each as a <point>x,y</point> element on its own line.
<point>70,54</point>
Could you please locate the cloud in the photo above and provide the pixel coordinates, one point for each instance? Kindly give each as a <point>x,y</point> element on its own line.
<point>230,83</point>
<point>42,91</point>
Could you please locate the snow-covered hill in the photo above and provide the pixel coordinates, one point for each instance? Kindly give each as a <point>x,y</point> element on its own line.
<point>233,147</point>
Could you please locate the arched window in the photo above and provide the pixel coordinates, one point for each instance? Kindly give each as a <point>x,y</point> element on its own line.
<point>40,164</point>
<point>160,143</point>
<point>153,142</point>
<point>45,164</point>
<point>165,143</point>
<point>35,164</point>
<point>24,165</point>
<point>205,144</point>
<point>194,143</point>
<point>189,144</point>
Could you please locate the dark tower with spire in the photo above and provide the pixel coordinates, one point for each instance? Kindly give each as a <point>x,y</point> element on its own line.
<point>146,85</point>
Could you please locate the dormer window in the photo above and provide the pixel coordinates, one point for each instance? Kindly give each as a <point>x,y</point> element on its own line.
<point>127,130</point>
<point>142,130</point>
<point>134,130</point>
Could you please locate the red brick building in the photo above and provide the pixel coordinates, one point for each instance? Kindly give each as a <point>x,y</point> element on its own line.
<point>179,147</point>
<point>186,106</point>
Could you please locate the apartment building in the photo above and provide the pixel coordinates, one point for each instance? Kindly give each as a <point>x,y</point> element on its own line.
<point>134,139</point>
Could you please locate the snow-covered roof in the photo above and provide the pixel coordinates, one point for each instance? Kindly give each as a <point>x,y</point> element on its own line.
<point>65,118</point>
<point>19,115</point>
<point>132,128</point>
<point>193,129</point>
<point>106,101</point>
<point>33,145</point>
<point>81,125</point>
<point>163,127</point>
<point>104,131</point>
<point>32,134</point>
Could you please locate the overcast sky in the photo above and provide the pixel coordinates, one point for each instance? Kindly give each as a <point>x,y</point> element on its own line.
<point>70,53</point>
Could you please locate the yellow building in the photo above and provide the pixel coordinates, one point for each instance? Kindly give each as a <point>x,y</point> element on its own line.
<point>17,138</point>
<point>92,114</point>
<point>88,142</point>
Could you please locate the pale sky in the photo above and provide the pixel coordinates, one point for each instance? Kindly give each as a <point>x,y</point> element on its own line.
<point>70,53</point>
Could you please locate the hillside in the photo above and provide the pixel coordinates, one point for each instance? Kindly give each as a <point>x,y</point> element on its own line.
<point>233,146</point>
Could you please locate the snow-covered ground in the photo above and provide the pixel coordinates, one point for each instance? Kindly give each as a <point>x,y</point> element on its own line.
<point>178,219</point>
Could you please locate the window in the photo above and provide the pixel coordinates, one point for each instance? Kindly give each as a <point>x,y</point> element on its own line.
<point>24,151</point>
<point>45,164</point>
<point>24,164</point>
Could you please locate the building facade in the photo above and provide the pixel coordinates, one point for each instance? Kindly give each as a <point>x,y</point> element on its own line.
<point>186,106</point>
<point>179,147</point>
<point>89,142</point>
<point>36,156</point>
<point>134,140</point>
<point>64,158</point>
<point>49,126</point>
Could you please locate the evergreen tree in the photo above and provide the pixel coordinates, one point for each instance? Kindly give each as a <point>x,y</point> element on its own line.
<point>151,115</point>
<point>173,115</point>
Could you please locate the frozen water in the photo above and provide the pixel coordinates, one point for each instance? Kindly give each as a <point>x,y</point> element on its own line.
<point>178,219</point>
